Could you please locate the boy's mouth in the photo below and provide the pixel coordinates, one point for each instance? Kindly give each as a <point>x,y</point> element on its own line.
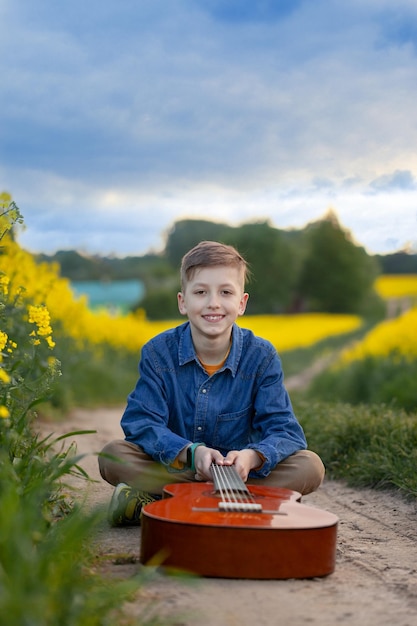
<point>213,318</point>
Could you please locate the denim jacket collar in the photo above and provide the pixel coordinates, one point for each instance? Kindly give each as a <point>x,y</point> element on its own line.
<point>186,351</point>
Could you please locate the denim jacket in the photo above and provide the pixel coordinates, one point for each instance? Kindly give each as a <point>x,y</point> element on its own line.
<point>243,405</point>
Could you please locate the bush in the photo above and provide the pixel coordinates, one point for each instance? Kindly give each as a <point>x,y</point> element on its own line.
<point>390,380</point>
<point>366,445</point>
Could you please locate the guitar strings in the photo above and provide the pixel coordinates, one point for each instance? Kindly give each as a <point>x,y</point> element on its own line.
<point>223,484</point>
<point>230,485</point>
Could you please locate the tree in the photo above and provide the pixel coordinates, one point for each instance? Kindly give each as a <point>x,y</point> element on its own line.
<point>271,262</point>
<point>268,252</point>
<point>185,234</point>
<point>337,275</point>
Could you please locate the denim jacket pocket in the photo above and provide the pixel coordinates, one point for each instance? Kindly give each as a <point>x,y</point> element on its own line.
<point>232,430</point>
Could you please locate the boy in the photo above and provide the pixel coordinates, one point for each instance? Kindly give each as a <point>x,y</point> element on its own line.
<point>208,391</point>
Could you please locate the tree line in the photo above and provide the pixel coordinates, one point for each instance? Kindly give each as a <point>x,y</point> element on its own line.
<point>317,268</point>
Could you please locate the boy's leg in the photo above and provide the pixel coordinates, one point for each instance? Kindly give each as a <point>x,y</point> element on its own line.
<point>132,466</point>
<point>303,471</point>
<point>137,478</point>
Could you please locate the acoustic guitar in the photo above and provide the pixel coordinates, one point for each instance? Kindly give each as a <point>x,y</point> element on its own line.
<point>228,529</point>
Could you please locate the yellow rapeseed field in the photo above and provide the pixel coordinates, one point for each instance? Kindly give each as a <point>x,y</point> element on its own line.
<point>40,284</point>
<point>288,332</point>
<point>394,336</point>
<point>396,286</point>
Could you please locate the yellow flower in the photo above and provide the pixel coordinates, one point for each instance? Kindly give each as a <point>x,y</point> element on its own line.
<point>39,315</point>
<point>4,376</point>
<point>12,346</point>
<point>4,284</point>
<point>3,340</point>
<point>4,412</point>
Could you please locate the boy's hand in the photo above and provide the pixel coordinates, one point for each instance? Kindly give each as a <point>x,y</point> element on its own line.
<point>203,458</point>
<point>244,461</point>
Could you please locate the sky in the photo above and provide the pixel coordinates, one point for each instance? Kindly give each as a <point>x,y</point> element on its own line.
<point>118,118</point>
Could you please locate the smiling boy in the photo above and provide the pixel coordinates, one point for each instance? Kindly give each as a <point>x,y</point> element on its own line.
<point>208,391</point>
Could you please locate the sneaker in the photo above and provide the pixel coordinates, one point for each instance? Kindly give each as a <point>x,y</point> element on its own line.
<point>126,505</point>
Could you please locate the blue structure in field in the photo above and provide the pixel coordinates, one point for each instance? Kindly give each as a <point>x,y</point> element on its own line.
<point>119,295</point>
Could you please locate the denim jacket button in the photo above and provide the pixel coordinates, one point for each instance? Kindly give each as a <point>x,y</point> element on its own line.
<point>204,390</point>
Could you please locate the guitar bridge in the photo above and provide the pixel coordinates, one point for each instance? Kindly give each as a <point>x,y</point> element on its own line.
<point>242,507</point>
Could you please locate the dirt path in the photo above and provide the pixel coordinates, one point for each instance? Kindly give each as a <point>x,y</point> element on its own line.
<point>375,581</point>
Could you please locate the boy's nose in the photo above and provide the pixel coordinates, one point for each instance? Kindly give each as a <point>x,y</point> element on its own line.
<point>213,301</point>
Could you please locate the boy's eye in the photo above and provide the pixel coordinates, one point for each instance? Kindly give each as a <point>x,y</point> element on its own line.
<point>202,292</point>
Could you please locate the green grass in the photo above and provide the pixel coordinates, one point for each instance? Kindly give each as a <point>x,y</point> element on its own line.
<point>365,445</point>
<point>48,570</point>
<point>92,377</point>
<point>385,380</point>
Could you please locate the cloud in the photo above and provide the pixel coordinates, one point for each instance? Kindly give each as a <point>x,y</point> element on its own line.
<point>119,118</point>
<point>400,180</point>
<point>171,105</point>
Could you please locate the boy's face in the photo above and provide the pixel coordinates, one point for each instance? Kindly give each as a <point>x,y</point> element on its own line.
<point>212,300</point>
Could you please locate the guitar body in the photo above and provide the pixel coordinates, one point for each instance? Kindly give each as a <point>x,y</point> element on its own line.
<point>287,539</point>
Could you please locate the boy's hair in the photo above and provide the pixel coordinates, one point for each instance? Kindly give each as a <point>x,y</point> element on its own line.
<point>211,254</point>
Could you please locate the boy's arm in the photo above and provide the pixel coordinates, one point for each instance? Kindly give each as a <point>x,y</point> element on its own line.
<point>145,419</point>
<point>278,432</point>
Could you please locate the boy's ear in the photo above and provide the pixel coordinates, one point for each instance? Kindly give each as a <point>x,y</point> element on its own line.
<point>243,303</point>
<point>181,303</point>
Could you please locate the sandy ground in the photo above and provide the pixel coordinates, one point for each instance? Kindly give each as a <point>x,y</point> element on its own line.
<point>375,580</point>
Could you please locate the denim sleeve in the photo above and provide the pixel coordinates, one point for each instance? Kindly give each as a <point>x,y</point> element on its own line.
<point>145,419</point>
<point>277,432</point>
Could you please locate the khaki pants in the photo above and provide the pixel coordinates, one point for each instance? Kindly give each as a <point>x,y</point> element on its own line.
<point>125,462</point>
